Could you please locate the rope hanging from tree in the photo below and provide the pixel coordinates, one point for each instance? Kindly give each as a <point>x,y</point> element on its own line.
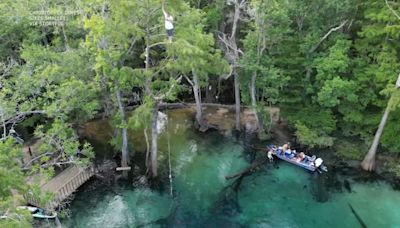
<point>169,158</point>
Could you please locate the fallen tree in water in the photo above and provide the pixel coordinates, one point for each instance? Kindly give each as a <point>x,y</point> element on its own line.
<point>257,163</point>
<point>227,202</point>
<point>362,223</point>
<point>249,169</point>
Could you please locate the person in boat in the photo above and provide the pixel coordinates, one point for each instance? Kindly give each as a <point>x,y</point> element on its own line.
<point>300,157</point>
<point>290,153</point>
<point>169,26</point>
<point>287,151</point>
<point>285,148</point>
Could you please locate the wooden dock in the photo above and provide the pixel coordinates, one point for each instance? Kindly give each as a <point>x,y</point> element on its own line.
<point>63,185</point>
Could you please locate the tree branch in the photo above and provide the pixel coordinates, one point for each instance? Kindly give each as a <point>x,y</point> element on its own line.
<point>229,74</point>
<point>228,44</point>
<point>190,81</point>
<point>326,36</point>
<point>391,9</point>
<point>26,167</point>
<point>161,97</point>
<point>7,68</point>
<point>155,44</point>
<point>125,55</point>
<point>67,48</point>
<point>20,116</point>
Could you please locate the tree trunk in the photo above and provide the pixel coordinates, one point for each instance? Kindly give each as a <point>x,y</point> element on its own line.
<point>197,97</point>
<point>236,17</point>
<point>146,137</point>
<point>124,158</point>
<point>368,163</point>
<point>124,130</point>
<point>154,138</point>
<point>237,101</point>
<point>254,102</point>
<point>4,123</point>
<point>236,59</point>
<point>147,85</point>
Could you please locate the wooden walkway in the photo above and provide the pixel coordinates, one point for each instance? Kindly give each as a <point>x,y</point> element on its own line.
<point>63,185</point>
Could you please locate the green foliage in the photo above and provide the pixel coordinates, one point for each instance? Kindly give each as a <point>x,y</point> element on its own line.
<point>310,137</point>
<point>350,150</point>
<point>335,90</point>
<point>313,126</point>
<point>141,116</point>
<point>61,146</point>
<point>13,185</point>
<point>336,62</point>
<point>393,166</point>
<point>390,135</point>
<point>11,176</point>
<point>328,81</point>
<point>194,50</point>
<point>269,29</point>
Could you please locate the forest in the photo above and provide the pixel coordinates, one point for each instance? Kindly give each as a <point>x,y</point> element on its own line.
<point>331,68</point>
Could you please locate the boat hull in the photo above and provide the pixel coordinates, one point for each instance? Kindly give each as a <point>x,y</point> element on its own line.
<point>42,216</point>
<point>38,212</point>
<point>305,165</point>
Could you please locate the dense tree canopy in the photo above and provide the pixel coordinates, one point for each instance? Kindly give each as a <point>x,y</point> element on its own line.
<point>330,66</point>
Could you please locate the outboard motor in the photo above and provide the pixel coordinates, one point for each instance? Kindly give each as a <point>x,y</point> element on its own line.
<point>318,162</point>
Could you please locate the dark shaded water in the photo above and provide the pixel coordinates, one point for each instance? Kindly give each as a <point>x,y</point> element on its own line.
<point>273,196</point>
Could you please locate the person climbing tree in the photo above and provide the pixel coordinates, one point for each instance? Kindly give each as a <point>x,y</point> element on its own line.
<point>169,26</point>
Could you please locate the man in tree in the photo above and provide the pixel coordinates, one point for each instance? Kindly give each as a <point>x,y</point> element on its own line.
<point>169,26</point>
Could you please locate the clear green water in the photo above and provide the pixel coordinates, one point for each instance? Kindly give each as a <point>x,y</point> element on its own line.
<point>270,197</point>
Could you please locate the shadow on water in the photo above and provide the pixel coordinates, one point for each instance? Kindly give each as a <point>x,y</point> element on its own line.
<point>319,188</point>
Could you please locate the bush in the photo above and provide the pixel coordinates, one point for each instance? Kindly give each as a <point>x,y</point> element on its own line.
<point>350,150</point>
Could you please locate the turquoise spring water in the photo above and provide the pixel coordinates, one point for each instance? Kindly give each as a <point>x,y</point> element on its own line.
<point>273,196</point>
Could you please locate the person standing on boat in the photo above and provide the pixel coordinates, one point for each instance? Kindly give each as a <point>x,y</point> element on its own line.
<point>169,26</point>
<point>286,149</point>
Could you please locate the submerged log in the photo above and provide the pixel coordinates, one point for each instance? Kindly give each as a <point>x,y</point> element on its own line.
<point>347,186</point>
<point>249,169</point>
<point>227,202</point>
<point>362,223</point>
<point>260,161</point>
